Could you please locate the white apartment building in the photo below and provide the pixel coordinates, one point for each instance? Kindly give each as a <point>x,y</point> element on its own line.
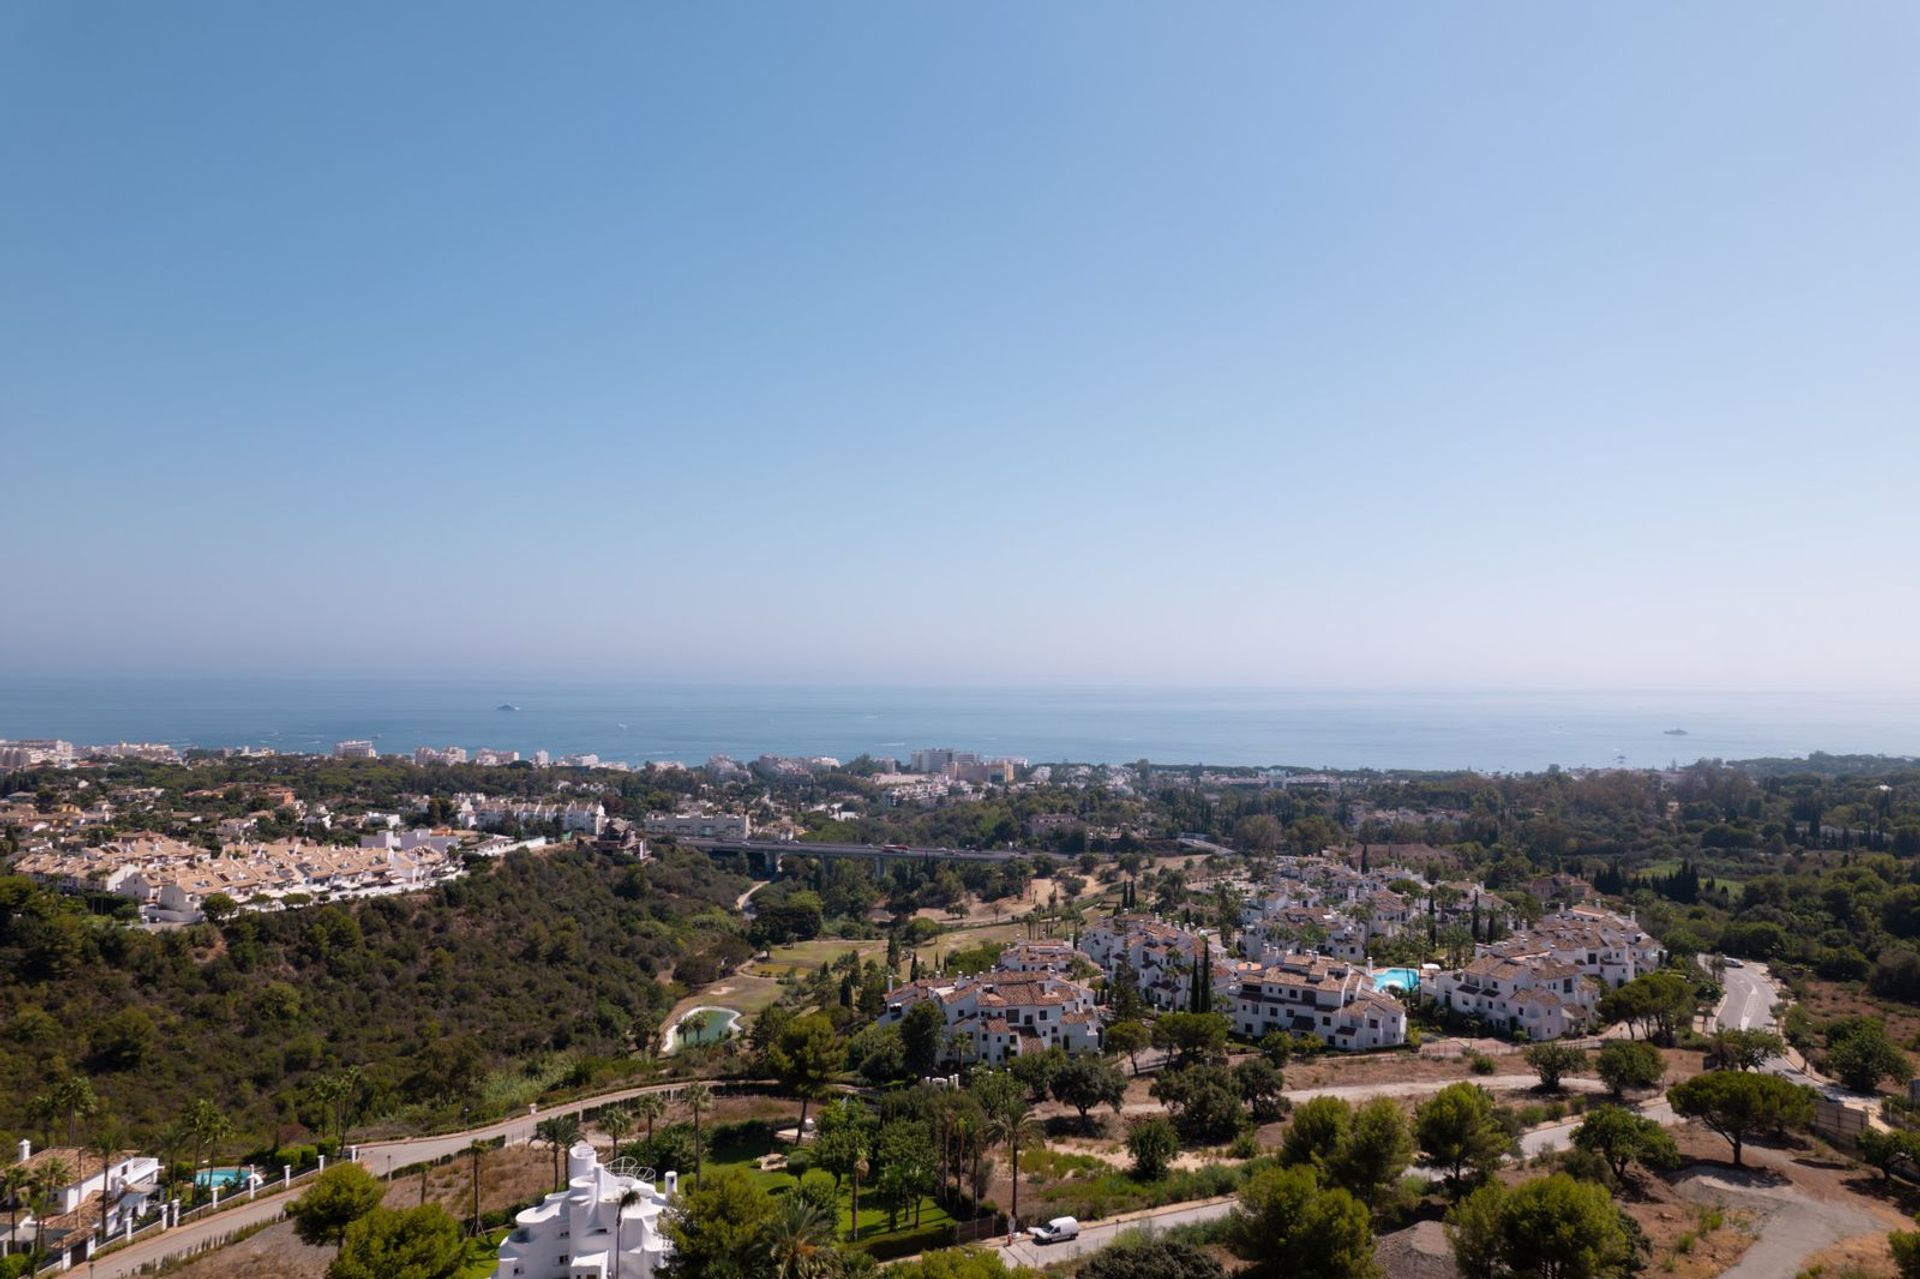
<point>1161,954</point>
<point>495,759</point>
<point>424,755</point>
<point>590,818</point>
<point>1000,1014</point>
<point>585,1231</point>
<point>699,825</point>
<point>356,749</point>
<point>1539,997</point>
<point>1306,994</point>
<point>1606,947</point>
<point>1547,981</point>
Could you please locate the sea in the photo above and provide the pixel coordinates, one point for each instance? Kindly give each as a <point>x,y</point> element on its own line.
<point>636,722</point>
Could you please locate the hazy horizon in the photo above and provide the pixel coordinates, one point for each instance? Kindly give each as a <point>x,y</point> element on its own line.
<point>1284,347</point>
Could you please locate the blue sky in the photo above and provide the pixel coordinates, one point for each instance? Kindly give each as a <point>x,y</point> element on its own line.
<point>1303,345</point>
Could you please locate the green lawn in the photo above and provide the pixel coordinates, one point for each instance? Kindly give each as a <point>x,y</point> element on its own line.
<point>807,956</point>
<point>873,1219</point>
<point>486,1254</point>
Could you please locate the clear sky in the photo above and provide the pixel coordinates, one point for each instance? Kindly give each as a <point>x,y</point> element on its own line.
<point>1293,344</point>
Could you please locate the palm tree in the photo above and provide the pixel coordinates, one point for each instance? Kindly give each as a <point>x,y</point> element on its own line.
<point>14,1185</point>
<point>107,1141</point>
<point>49,1179</point>
<point>618,1125</point>
<point>697,1098</point>
<point>477,1148</point>
<point>209,1127</point>
<point>800,1238</point>
<point>860,1169</point>
<point>650,1106</point>
<point>75,1096</point>
<point>42,1109</point>
<point>560,1133</point>
<point>1011,1125</point>
<point>628,1198</point>
<point>172,1138</point>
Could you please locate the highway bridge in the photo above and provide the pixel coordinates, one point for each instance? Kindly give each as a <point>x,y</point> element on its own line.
<point>766,853</point>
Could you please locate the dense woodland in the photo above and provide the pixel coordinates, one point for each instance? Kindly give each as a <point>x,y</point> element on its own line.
<point>532,964</point>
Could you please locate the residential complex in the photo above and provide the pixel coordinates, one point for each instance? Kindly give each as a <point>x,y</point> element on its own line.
<point>1008,1010</point>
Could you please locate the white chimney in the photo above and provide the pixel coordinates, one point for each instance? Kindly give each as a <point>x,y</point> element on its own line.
<point>673,1183</point>
<point>26,1150</point>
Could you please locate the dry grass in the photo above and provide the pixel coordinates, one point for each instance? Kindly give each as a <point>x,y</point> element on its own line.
<point>274,1253</point>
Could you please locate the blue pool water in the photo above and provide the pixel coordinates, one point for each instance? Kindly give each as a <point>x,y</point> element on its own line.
<point>224,1178</point>
<point>1405,978</point>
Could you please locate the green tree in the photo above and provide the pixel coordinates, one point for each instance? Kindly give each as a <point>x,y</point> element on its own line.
<point>650,1107</point>
<point>1473,1228</point>
<point>1737,1049</point>
<point>560,1133</point>
<point>1658,1004</point>
<point>1260,1083</point>
<point>1205,1102</point>
<point>719,1229</point>
<point>1036,1070</point>
<point>807,1059</point>
<point>922,1031</point>
<point>1290,1227</point>
<point>1887,1150</point>
<point>1626,1064</point>
<point>1006,1121</point>
<point>1377,1149</point>
<point>800,1237</point>
<point>1318,1130</point>
<point>1153,1143</point>
<point>1738,1103</point>
<point>337,1198</point>
<point>1905,1246</point>
<point>903,1168</point>
<point>1559,1228</point>
<point>1861,1055</point>
<point>210,1127</point>
<point>1127,1038</point>
<point>1192,1037</point>
<point>697,1098</point>
<point>1085,1081</point>
<point>74,1097</point>
<point>1553,1062</point>
<point>410,1243</point>
<point>1621,1137</point>
<point>1458,1130</point>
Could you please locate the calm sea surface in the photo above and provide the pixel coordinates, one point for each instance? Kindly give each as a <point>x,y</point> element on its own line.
<point>638,722</point>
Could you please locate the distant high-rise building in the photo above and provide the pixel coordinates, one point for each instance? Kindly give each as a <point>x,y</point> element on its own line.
<point>354,750</point>
<point>934,759</point>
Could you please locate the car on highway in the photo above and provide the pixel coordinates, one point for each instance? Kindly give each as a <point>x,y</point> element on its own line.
<point>895,848</point>
<point>1058,1230</point>
<point>1731,962</point>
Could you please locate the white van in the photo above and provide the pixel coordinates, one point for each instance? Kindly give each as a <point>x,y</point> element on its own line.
<point>1057,1230</point>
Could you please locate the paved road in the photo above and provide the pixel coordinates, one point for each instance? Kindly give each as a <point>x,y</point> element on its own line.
<point>1539,1141</point>
<point>1794,1225</point>
<point>1025,1252</point>
<point>382,1157</point>
<point>1749,1000</point>
<point>172,1243</point>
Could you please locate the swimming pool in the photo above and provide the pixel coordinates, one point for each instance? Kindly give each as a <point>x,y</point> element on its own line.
<point>719,1025</point>
<point>221,1178</point>
<point>1404,979</point>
